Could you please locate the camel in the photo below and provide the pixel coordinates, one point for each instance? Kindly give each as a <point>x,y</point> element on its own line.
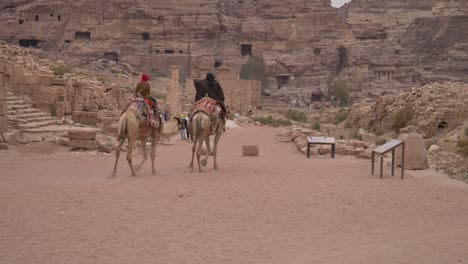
<point>202,126</point>
<point>132,127</point>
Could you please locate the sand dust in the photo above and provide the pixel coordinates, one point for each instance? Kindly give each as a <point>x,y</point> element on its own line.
<point>277,208</point>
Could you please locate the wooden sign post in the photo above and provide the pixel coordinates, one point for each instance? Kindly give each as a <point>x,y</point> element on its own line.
<point>385,148</point>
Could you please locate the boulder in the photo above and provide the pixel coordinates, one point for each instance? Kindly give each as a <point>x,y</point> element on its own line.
<point>83,144</point>
<point>3,146</point>
<point>415,152</point>
<point>82,134</point>
<point>250,151</point>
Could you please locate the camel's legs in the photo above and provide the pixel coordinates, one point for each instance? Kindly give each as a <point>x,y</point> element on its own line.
<point>215,147</point>
<point>199,149</point>
<point>117,156</point>
<point>208,148</point>
<point>194,142</point>
<point>131,142</point>
<point>145,154</point>
<point>155,139</point>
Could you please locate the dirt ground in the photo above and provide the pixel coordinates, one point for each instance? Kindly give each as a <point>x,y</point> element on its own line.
<point>278,208</point>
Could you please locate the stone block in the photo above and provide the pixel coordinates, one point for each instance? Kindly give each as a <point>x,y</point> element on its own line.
<point>30,79</point>
<point>92,114</point>
<point>88,120</point>
<point>82,134</point>
<point>111,129</point>
<point>77,113</point>
<point>107,120</point>
<point>83,144</point>
<point>47,80</point>
<point>3,124</point>
<point>2,92</point>
<point>61,82</point>
<point>102,114</point>
<point>250,151</point>
<point>3,108</point>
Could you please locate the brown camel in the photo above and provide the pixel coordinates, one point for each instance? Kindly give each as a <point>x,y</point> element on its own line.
<point>202,126</point>
<point>132,127</point>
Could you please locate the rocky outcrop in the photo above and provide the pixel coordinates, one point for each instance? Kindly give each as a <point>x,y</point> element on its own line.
<point>415,152</point>
<point>436,108</point>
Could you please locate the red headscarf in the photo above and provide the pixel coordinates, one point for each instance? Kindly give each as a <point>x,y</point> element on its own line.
<point>144,77</point>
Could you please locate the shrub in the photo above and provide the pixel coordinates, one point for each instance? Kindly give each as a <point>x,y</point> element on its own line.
<point>378,131</point>
<point>316,126</point>
<point>53,109</point>
<point>296,115</point>
<point>62,70</point>
<point>272,121</point>
<point>255,69</point>
<point>103,79</point>
<point>462,145</point>
<point>402,118</point>
<point>340,94</point>
<point>381,141</point>
<point>341,116</point>
<point>354,134</point>
<point>161,96</point>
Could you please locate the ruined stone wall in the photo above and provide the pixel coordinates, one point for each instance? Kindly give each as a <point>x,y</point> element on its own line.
<point>308,41</point>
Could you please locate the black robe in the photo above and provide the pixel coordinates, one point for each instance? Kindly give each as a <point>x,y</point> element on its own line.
<point>215,92</point>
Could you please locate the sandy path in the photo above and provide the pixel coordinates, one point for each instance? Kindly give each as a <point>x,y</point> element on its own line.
<point>278,208</point>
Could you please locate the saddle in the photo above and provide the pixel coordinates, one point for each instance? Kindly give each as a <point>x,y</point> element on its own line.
<point>143,110</point>
<point>209,106</point>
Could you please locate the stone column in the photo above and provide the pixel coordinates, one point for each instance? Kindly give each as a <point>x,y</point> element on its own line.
<point>173,92</point>
<point>3,106</point>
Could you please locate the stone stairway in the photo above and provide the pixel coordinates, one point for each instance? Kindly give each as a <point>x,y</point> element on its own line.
<point>22,116</point>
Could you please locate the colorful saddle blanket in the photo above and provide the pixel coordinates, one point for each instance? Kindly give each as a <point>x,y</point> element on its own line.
<point>143,110</point>
<point>207,105</point>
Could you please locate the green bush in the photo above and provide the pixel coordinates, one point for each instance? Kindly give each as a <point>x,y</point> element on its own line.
<point>378,131</point>
<point>339,92</point>
<point>296,115</point>
<point>380,141</point>
<point>62,70</point>
<point>402,118</point>
<point>255,69</point>
<point>272,121</point>
<point>462,145</point>
<point>103,79</point>
<point>53,109</point>
<point>129,88</point>
<point>316,126</point>
<point>161,96</point>
<point>354,134</point>
<point>341,116</point>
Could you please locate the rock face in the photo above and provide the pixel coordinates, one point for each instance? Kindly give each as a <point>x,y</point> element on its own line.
<point>415,152</point>
<point>437,108</point>
<point>376,47</point>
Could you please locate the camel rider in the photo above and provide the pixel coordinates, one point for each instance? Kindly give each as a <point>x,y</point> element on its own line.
<point>211,88</point>
<point>143,88</point>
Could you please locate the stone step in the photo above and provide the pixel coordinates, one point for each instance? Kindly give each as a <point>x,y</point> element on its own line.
<point>33,120</point>
<point>17,102</point>
<point>31,115</point>
<point>37,124</point>
<point>18,107</point>
<point>23,111</point>
<point>13,98</point>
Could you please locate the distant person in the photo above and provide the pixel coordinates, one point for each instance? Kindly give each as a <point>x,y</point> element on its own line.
<point>186,124</point>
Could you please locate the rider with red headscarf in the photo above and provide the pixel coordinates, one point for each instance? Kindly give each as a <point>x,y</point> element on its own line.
<point>143,88</point>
